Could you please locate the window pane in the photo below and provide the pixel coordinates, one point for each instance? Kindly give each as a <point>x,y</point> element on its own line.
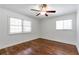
<point>15,21</point>
<point>26,26</point>
<point>26,23</point>
<point>59,24</point>
<point>67,24</point>
<point>27,29</point>
<point>15,29</point>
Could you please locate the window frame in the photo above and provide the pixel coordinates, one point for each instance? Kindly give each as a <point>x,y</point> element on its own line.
<point>21,25</point>
<point>63,24</point>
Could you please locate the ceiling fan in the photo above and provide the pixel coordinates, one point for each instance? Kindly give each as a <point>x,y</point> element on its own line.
<point>43,10</point>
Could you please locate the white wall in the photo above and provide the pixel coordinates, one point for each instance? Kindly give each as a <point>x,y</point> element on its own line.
<point>78,28</point>
<point>49,31</point>
<point>7,39</point>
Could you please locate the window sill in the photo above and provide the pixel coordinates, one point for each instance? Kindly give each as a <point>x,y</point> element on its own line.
<point>19,33</point>
<point>64,29</point>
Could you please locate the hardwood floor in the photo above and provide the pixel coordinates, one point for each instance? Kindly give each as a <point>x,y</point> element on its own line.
<point>40,47</point>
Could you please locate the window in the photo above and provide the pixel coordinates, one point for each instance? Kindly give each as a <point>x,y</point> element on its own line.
<point>64,24</point>
<point>26,26</point>
<point>59,24</point>
<point>15,25</point>
<point>19,26</point>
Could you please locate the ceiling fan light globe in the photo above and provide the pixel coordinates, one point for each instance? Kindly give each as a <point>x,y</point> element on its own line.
<point>43,13</point>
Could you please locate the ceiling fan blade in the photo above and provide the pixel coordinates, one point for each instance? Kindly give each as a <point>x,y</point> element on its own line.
<point>38,14</point>
<point>46,14</point>
<point>51,11</point>
<point>35,10</point>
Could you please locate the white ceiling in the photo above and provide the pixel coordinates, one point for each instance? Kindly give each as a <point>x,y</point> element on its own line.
<point>61,9</point>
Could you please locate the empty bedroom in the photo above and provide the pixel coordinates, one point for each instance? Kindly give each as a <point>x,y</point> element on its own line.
<point>39,29</point>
